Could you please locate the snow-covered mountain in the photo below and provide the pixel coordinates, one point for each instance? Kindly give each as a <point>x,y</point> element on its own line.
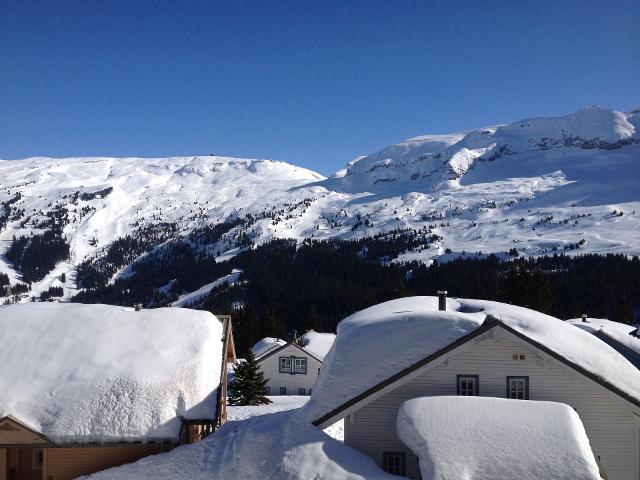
<point>540,185</point>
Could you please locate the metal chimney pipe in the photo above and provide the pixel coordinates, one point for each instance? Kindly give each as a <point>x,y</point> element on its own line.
<point>584,317</point>
<point>442,300</point>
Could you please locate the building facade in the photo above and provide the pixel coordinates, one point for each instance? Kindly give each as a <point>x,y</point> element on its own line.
<point>290,370</point>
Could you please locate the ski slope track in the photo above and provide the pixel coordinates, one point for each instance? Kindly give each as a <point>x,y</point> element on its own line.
<point>540,185</point>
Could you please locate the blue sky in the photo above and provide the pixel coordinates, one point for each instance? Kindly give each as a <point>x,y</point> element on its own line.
<point>314,83</point>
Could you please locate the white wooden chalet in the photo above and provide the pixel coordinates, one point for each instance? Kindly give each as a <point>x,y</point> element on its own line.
<point>289,369</point>
<point>406,348</point>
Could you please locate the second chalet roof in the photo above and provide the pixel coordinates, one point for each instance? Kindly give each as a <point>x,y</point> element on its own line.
<point>83,373</point>
<point>385,340</point>
<point>487,438</point>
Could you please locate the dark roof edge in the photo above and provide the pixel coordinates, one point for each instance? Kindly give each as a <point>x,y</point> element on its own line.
<point>488,324</point>
<point>290,342</point>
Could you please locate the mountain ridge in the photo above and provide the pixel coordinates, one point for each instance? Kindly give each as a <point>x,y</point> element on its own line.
<point>539,185</point>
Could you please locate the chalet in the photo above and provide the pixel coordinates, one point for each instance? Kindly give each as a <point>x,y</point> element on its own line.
<point>88,387</point>
<point>623,338</point>
<point>292,367</point>
<point>408,348</point>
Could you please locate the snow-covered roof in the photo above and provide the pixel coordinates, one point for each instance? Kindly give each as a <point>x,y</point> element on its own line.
<point>271,446</point>
<point>620,332</point>
<point>267,344</point>
<point>495,438</point>
<point>384,340</point>
<point>318,344</point>
<point>79,373</point>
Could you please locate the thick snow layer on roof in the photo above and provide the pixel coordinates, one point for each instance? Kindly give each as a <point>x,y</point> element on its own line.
<point>373,344</point>
<point>272,446</point>
<point>81,373</point>
<point>376,343</point>
<point>620,332</point>
<point>318,344</point>
<point>267,344</point>
<point>495,438</point>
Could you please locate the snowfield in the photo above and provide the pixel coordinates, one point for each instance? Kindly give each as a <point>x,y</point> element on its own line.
<point>487,438</point>
<point>95,373</point>
<point>272,445</point>
<point>395,335</point>
<point>540,185</point>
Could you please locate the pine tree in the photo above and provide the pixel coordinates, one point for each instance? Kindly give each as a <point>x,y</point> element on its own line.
<point>248,385</point>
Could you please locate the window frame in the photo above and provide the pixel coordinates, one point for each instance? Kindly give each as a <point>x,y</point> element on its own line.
<point>37,458</point>
<point>302,391</point>
<point>526,387</point>
<point>282,364</point>
<point>303,360</point>
<point>386,456</point>
<point>476,383</point>
<point>283,390</point>
<point>289,364</point>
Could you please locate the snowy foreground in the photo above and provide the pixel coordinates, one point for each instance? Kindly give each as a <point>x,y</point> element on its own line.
<point>258,442</point>
<point>491,433</point>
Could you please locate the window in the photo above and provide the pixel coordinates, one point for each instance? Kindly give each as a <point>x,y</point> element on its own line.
<point>393,462</point>
<point>285,364</point>
<point>301,365</point>
<point>468,385</point>
<point>267,390</point>
<point>518,388</point>
<point>310,390</point>
<point>283,390</point>
<point>301,391</point>
<point>293,365</point>
<point>37,459</point>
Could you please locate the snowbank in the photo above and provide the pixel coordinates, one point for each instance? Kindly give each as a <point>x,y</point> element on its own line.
<point>378,342</point>
<point>318,344</point>
<point>620,332</point>
<point>272,446</point>
<point>95,372</point>
<point>495,438</point>
<point>266,344</point>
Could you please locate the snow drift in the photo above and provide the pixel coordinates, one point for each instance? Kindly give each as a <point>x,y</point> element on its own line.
<point>496,438</point>
<point>273,446</point>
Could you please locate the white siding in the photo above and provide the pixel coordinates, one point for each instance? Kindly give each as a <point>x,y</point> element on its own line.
<point>277,379</point>
<point>610,424</point>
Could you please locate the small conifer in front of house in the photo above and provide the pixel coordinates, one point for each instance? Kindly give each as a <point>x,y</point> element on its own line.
<point>249,385</point>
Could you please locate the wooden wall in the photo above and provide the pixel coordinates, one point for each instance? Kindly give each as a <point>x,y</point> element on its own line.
<point>66,463</point>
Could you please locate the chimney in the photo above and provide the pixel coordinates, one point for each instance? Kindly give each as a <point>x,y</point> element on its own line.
<point>584,317</point>
<point>137,306</point>
<point>442,300</point>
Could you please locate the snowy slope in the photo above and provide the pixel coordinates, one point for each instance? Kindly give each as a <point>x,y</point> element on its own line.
<point>496,438</point>
<point>540,185</point>
<point>68,370</point>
